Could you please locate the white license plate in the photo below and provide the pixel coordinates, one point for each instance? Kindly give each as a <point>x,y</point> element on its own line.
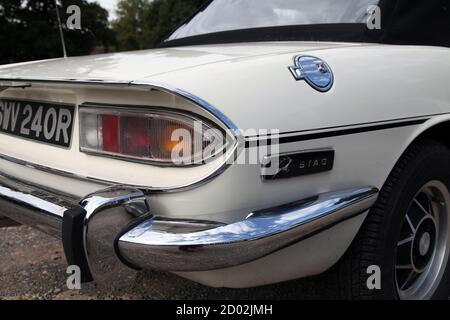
<point>46,122</point>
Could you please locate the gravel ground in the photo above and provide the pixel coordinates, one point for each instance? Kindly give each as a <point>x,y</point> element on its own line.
<point>33,267</point>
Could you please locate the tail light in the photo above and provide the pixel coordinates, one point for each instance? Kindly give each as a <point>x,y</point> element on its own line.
<point>149,135</point>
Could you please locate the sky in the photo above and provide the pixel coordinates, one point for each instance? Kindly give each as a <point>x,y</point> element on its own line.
<point>108,4</point>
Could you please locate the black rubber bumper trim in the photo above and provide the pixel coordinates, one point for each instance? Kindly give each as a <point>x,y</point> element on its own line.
<point>73,242</point>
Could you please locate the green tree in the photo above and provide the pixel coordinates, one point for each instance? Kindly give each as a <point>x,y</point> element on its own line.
<point>143,24</point>
<point>29,30</point>
<point>130,23</point>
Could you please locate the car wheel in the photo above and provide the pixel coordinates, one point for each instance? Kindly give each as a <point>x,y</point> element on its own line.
<point>405,237</point>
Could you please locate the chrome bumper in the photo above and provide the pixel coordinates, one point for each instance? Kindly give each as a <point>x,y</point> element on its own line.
<point>32,206</point>
<point>114,228</point>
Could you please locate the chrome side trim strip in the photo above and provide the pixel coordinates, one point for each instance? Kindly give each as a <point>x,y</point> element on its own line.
<point>214,112</point>
<point>260,234</point>
<point>21,86</point>
<point>56,171</point>
<point>136,83</point>
<point>109,183</point>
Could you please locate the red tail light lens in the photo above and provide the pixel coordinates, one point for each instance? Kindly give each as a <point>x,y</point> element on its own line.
<point>163,137</point>
<point>134,138</point>
<point>110,133</point>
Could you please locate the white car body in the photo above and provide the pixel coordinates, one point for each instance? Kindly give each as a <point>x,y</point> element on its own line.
<point>375,86</point>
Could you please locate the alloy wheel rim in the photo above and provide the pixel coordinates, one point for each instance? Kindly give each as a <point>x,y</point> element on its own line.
<point>423,246</point>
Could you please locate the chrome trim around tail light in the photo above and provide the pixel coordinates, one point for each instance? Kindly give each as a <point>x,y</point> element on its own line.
<point>214,112</point>
<point>95,109</point>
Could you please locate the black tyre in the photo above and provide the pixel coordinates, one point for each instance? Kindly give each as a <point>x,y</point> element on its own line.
<point>406,234</point>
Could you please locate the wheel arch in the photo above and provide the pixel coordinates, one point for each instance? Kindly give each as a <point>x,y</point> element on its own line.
<point>436,128</point>
<point>361,253</point>
<point>439,132</point>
